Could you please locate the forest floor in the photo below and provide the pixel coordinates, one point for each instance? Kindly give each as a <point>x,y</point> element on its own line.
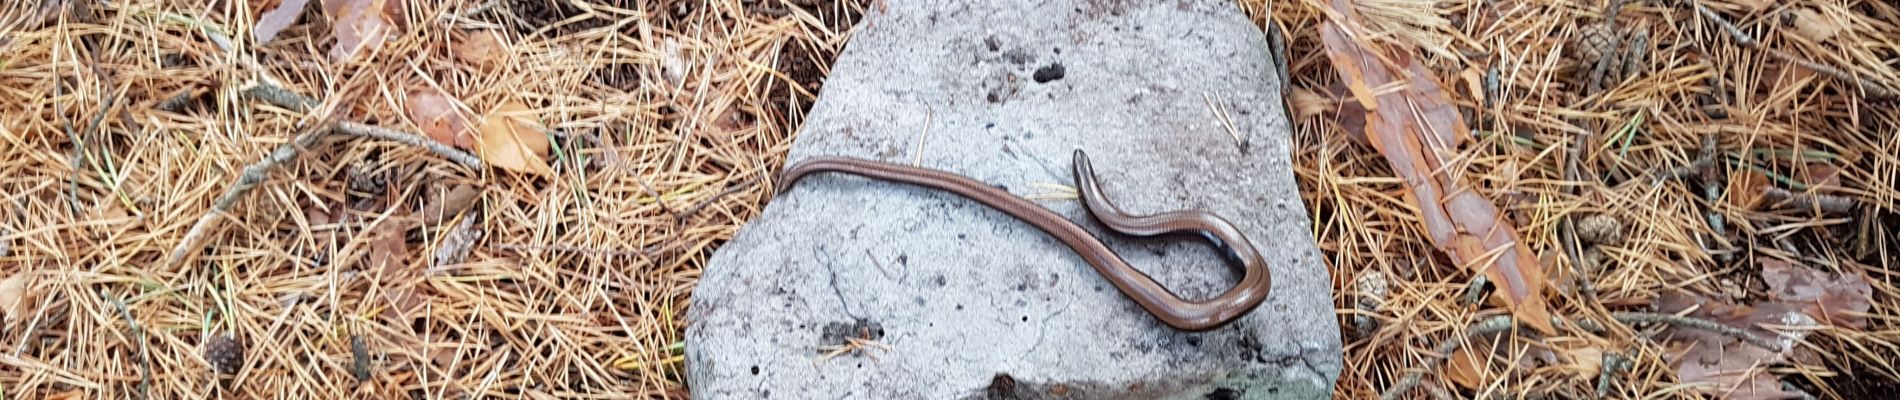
<point>390,198</point>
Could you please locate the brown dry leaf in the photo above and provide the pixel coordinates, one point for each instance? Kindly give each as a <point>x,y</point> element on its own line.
<point>75,394</point>
<point>1814,26</point>
<point>359,24</point>
<point>1745,188</point>
<point>1821,176</point>
<point>14,296</point>
<point>1727,367</point>
<point>1307,103</point>
<point>1826,297</point>
<point>438,117</point>
<point>388,246</point>
<point>1488,359</point>
<point>276,19</point>
<point>510,141</point>
<point>1416,128</point>
<point>451,204</point>
<point>1757,5</point>
<point>481,49</point>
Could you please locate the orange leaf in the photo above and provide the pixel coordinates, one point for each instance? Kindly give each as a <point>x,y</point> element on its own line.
<point>481,49</point>
<point>359,24</point>
<point>275,20</point>
<point>1745,188</point>
<point>438,117</point>
<point>510,141</point>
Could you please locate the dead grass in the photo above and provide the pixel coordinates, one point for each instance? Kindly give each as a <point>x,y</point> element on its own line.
<point>670,115</point>
<point>577,287</point>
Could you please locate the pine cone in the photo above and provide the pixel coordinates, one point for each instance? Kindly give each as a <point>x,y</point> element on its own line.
<point>225,353</point>
<point>1600,229</point>
<point>1593,42</point>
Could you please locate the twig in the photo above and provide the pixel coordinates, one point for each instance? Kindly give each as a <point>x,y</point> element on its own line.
<point>1613,364</point>
<point>646,252</point>
<point>1827,203</point>
<point>1868,86</point>
<point>1711,186</point>
<point>439,148</point>
<point>145,359</point>
<point>682,217</point>
<point>1489,326</point>
<point>1631,318</point>
<point>253,175</point>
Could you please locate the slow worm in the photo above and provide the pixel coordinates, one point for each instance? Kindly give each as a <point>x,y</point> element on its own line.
<point>1159,301</point>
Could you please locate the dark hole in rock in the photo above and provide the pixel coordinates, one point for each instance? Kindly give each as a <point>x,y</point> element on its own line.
<point>1047,73</point>
<point>755,370</point>
<point>1222,394</point>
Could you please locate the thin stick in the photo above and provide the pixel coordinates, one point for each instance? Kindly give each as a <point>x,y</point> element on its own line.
<point>1696,323</point>
<point>1868,86</point>
<point>1827,203</point>
<point>253,175</point>
<point>138,332</point>
<point>439,148</point>
<point>688,214</point>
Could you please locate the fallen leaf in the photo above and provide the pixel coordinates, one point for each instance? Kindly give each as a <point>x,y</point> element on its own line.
<point>1822,176</point>
<point>438,117</point>
<point>1745,188</point>
<point>75,394</point>
<point>1488,359</point>
<point>451,204</point>
<point>510,141</point>
<point>358,24</point>
<point>14,296</point>
<point>1756,5</point>
<point>1814,26</point>
<point>481,49</point>
<point>1827,297</point>
<point>1725,366</point>
<point>275,20</point>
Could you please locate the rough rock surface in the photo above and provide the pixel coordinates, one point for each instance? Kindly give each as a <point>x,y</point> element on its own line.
<point>1176,103</point>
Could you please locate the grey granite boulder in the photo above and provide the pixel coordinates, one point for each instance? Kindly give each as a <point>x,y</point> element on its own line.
<point>1176,103</point>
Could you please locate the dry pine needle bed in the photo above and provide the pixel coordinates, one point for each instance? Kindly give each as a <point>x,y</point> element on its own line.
<point>357,198</point>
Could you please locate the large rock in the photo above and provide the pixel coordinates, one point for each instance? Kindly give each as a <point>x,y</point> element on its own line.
<point>974,304</point>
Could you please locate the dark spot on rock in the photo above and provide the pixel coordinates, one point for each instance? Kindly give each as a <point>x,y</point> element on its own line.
<point>1098,288</point>
<point>992,44</point>
<point>939,280</point>
<point>1028,135</point>
<point>959,307</point>
<point>1050,72</point>
<point>962,236</point>
<point>993,98</point>
<point>1194,341</point>
<point>1222,394</point>
<point>989,125</point>
<point>1058,50</point>
<point>755,370</point>
<point>903,259</point>
<point>1025,318</point>
<point>1018,56</point>
<point>919,300</point>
